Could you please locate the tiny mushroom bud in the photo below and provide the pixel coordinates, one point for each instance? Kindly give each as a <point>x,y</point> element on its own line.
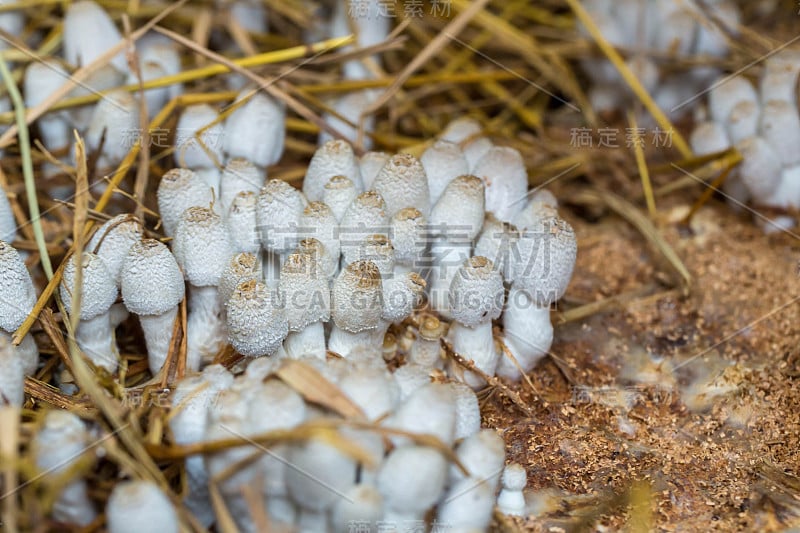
<point>408,234</point>
<point>256,325</point>
<point>476,298</point>
<point>17,298</point>
<point>467,134</point>
<point>112,241</point>
<point>482,454</point>
<point>88,33</point>
<point>370,164</point>
<point>779,78</point>
<point>505,180</point>
<point>115,122</point>
<point>178,190</point>
<point>356,306</point>
<point>94,334</point>
<point>511,500</point>
<point>306,299</point>
<point>241,223</point>
<point>443,162</point>
<point>136,506</point>
<point>427,348</point>
<point>339,194</point>
<point>334,158</point>
<point>57,447</point>
<point>203,250</point>
<point>152,287</point>
<point>402,183</point>
<point>241,267</point>
<point>255,130</point>
<point>239,175</point>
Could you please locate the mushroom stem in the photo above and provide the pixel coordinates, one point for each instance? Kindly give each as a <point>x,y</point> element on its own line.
<point>95,337</point>
<point>157,335</point>
<point>308,341</point>
<point>528,334</point>
<point>477,344</point>
<point>205,330</point>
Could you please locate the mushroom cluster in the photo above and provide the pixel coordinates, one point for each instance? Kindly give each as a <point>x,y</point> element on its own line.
<point>763,124</point>
<point>403,472</point>
<point>651,32</point>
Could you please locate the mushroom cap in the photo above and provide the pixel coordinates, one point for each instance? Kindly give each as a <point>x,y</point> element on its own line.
<point>356,299</point>
<point>239,175</point>
<point>188,151</point>
<point>280,207</point>
<point>376,248</point>
<point>372,389</point>
<point>178,190</point>
<point>482,453</point>
<point>303,292</point>
<point>408,234</point>
<point>430,409</point>
<point>17,293</point>
<point>99,289</point>
<point>115,121</point>
<point>334,158</point>
<point>255,131</point>
<point>370,164</point>
<point>443,161</point>
<point>401,295</point>
<point>112,241</point>
<point>241,223</point>
<point>367,212</point>
<point>202,246</point>
<point>476,292</point>
<point>724,96</point>
<point>8,224</point>
<point>497,242</point>
<point>60,441</point>
<point>780,127</point>
<point>402,183</point>
<point>339,194</point>
<point>467,133</point>
<point>412,479</point>
<point>431,328</point>
<point>514,477</point>
<point>256,325</point>
<point>459,213</point>
<point>505,180</point>
<point>140,505</point>
<point>241,267</point>
<point>319,221</point>
<point>326,264</point>
<point>743,121</point>
<point>543,267</point>
<point>151,281</point>
<point>760,169</point>
<point>88,32</point>
<point>708,138</point>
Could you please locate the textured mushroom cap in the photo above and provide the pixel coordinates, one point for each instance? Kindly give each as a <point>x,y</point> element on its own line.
<point>319,222</point>
<point>408,234</point>
<point>431,328</point>
<point>280,207</point>
<point>724,97</point>
<point>760,169</point>
<point>401,295</point>
<point>370,164</point>
<point>468,411</point>
<point>402,183</point>
<point>188,150</point>
<point>12,374</point>
<point>708,138</point>
<point>477,292</point>
<point>115,121</point>
<point>497,242</point>
<point>339,194</point>
<point>460,210</point>
<point>17,295</point>
<point>239,175</point>
<point>241,223</point>
<point>99,288</point>
<point>467,133</point>
<point>303,292</point>
<point>88,33</point>
<point>334,158</point>
<point>547,252</point>
<point>780,127</point>
<point>326,264</point>
<point>112,241</point>
<point>256,325</point>
<point>255,130</point>
<point>514,477</point>
<point>241,267</point>
<point>443,162</point>
<point>505,180</point>
<point>367,211</point>
<point>376,248</point>
<point>202,246</point>
<point>151,281</point>
<point>743,121</point>
<point>140,506</point>
<point>412,479</point>
<point>178,190</point>
<point>356,303</point>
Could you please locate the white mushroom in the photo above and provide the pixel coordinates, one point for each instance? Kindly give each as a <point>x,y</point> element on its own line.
<point>136,506</point>
<point>443,162</point>
<point>334,158</point>
<point>402,183</point>
<point>255,131</point>
<point>306,298</point>
<point>356,307</point>
<point>256,325</point>
<point>178,190</point>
